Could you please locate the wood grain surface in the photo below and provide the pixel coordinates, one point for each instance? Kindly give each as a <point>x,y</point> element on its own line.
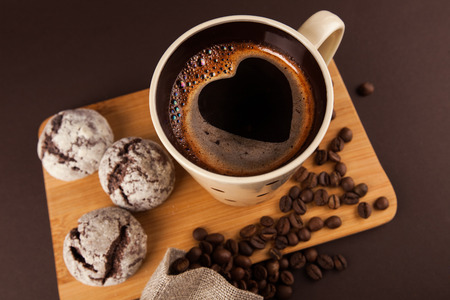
<point>171,224</point>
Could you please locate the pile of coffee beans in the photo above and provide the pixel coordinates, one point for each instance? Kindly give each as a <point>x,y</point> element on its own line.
<point>231,259</point>
<point>312,184</point>
<point>271,278</point>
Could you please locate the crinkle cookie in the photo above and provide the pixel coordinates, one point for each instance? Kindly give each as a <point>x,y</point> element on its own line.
<point>137,174</point>
<point>73,142</point>
<point>108,246</point>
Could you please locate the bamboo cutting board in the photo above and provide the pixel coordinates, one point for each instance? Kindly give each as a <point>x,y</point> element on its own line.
<point>171,224</point>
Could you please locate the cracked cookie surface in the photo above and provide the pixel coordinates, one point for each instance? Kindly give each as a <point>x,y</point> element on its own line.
<point>107,247</point>
<point>73,142</point>
<point>137,174</point>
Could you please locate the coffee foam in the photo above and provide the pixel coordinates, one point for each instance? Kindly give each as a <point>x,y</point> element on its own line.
<point>223,152</point>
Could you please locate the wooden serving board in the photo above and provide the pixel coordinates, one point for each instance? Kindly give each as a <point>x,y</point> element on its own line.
<point>190,206</point>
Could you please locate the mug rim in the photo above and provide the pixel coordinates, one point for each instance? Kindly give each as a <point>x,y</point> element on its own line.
<point>278,172</point>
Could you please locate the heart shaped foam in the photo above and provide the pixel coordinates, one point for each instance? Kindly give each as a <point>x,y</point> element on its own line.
<point>256,103</point>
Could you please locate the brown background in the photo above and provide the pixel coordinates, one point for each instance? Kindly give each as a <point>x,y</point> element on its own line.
<point>61,55</point>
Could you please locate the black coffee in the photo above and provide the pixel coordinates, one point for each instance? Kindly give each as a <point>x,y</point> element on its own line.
<point>241,109</point>
<point>240,105</point>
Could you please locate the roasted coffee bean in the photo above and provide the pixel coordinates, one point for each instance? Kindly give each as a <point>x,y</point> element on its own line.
<point>334,202</point>
<point>275,253</point>
<point>194,266</point>
<point>287,277</point>
<point>315,224</point>
<point>341,168</point>
<point>300,174</point>
<point>299,206</point>
<point>320,197</point>
<point>229,265</point>
<point>325,261</point>
<point>333,156</point>
<point>226,268</point>
<point>333,115</point>
<point>216,268</point>
<point>241,284</point>
<point>321,157</point>
<point>248,274</point>
<point>340,263</point>
<point>262,284</point>
<point>347,184</point>
<point>221,246</point>
<point>248,231</point>
<point>273,278</point>
<point>194,254</point>
<point>272,266</point>
<point>199,233</point>
<point>381,203</point>
<point>313,272</point>
<point>284,263</point>
<point>295,220</point>
<point>335,179</point>
<point>283,292</point>
<point>252,286</point>
<point>364,210</point>
<point>269,291</point>
<point>294,192</point>
<point>304,234</point>
<point>365,89</point>
<point>237,273</point>
<point>310,181</point>
<point>215,238</point>
<point>232,246</point>
<point>333,222</point>
<point>206,247</point>
<point>283,226</point>
<point>259,272</point>
<point>242,261</point>
<point>266,221</point>
<point>205,260</point>
<point>311,254</point>
<point>285,204</point>
<point>227,275</point>
<point>361,189</point>
<point>337,144</point>
<point>179,265</point>
<point>245,248</point>
<point>292,238</point>
<point>306,195</point>
<point>268,233</point>
<point>346,134</point>
<point>297,260</point>
<point>323,179</point>
<point>350,198</point>
<point>221,256</point>
<point>257,242</point>
<point>281,242</point>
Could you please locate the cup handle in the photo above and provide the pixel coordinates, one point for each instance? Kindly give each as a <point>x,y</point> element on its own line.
<point>324,30</point>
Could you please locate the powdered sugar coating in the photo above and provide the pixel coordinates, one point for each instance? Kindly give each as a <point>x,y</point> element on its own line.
<point>107,247</point>
<point>137,174</point>
<point>73,142</point>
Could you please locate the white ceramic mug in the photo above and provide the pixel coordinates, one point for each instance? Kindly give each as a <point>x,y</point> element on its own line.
<point>320,35</point>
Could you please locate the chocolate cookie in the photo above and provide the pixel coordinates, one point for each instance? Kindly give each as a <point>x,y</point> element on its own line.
<point>73,142</point>
<point>137,174</point>
<point>106,248</point>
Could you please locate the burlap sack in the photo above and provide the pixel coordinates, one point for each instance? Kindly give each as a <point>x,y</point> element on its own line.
<point>201,283</point>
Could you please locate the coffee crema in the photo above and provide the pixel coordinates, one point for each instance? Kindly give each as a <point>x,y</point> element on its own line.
<point>241,109</point>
